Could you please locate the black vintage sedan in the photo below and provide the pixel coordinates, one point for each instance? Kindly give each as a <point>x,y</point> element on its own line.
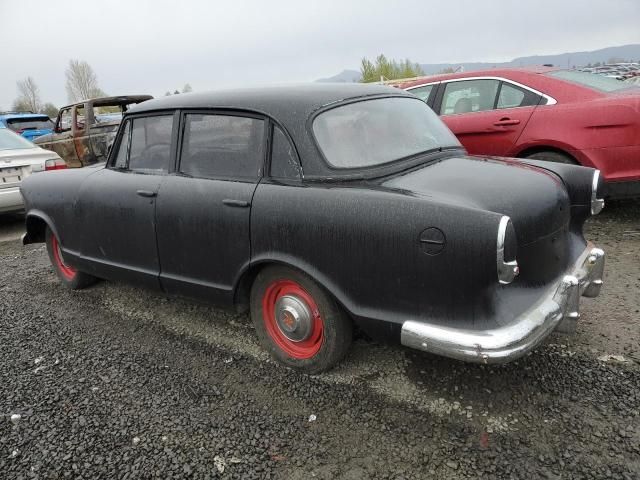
<point>321,207</point>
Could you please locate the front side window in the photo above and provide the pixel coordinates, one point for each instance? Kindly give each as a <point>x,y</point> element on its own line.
<point>469,96</point>
<point>222,146</point>
<point>65,120</point>
<point>374,132</point>
<point>123,149</point>
<point>150,149</point>
<point>422,92</point>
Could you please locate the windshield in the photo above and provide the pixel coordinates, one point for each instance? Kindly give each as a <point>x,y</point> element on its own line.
<point>591,80</point>
<point>10,140</point>
<point>379,131</point>
<point>21,124</point>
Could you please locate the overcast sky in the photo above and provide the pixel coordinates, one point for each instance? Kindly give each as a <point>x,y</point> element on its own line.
<point>144,46</point>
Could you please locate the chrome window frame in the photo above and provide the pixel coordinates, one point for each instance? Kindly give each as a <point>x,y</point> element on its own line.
<point>550,100</point>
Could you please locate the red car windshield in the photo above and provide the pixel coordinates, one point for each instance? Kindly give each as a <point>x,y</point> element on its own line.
<point>591,80</point>
<point>374,132</point>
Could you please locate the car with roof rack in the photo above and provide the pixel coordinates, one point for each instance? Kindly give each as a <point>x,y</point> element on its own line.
<point>320,207</point>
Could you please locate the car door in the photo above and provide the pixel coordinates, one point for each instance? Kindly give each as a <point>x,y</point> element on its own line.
<point>204,208</point>
<point>118,203</point>
<point>487,115</point>
<point>61,140</point>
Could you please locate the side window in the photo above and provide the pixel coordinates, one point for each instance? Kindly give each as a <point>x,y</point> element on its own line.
<point>80,117</point>
<point>65,120</point>
<point>469,96</point>
<point>422,92</point>
<point>512,97</point>
<point>226,146</point>
<point>123,149</point>
<point>150,149</point>
<point>284,161</point>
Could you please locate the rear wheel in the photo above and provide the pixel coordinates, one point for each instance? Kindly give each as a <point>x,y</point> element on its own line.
<point>68,275</point>
<point>297,321</point>
<point>550,156</point>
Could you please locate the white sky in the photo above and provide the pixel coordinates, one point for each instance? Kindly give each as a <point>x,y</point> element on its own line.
<point>151,46</point>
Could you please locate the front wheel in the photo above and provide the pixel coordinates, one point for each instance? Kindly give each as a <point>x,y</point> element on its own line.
<point>297,321</point>
<point>68,275</point>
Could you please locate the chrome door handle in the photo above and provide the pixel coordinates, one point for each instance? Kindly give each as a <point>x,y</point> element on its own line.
<point>146,193</point>
<point>235,203</point>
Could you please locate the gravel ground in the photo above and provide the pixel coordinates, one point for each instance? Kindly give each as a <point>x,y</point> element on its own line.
<point>117,382</point>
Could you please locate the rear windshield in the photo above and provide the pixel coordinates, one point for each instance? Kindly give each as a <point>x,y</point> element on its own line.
<point>374,132</point>
<point>591,80</point>
<point>21,124</point>
<point>10,140</point>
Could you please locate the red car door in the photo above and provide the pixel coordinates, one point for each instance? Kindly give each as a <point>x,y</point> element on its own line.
<point>487,115</point>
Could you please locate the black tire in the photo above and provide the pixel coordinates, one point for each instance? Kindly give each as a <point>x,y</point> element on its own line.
<point>69,276</point>
<point>337,329</point>
<point>550,156</point>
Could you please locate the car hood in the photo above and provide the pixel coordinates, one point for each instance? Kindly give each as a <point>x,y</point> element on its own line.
<point>536,200</point>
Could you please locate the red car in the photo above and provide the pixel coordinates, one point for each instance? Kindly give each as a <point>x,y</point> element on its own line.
<point>545,113</point>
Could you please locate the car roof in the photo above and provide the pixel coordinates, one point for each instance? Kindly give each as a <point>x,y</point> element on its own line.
<point>10,116</point>
<point>492,72</point>
<point>275,101</point>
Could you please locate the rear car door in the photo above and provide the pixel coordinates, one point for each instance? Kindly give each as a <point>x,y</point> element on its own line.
<point>118,203</point>
<point>204,208</point>
<point>487,115</point>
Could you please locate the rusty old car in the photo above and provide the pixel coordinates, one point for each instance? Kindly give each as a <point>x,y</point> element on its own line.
<point>318,207</point>
<point>85,131</point>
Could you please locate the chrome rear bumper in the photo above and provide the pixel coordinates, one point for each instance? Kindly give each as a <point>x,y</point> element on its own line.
<point>558,309</point>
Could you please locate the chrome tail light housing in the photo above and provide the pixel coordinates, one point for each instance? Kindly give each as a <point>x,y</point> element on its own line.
<point>507,264</point>
<point>597,204</point>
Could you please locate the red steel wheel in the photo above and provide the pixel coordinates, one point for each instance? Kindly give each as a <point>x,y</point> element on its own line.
<point>297,321</point>
<point>67,272</point>
<point>292,319</point>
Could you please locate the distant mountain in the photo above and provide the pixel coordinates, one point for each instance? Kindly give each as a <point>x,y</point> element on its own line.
<point>346,76</point>
<point>567,60</point>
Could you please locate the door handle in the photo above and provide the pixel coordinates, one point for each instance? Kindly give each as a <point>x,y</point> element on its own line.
<point>235,203</point>
<point>146,193</point>
<point>505,122</point>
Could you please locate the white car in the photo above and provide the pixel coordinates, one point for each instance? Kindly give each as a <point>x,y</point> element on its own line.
<point>19,158</point>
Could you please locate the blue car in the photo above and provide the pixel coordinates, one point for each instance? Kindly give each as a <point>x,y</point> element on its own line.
<point>29,125</point>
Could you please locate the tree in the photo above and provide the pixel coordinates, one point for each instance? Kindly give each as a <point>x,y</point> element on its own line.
<point>176,92</point>
<point>187,88</point>
<point>447,70</point>
<point>384,69</point>
<point>49,109</point>
<point>167,94</point>
<point>82,82</point>
<point>28,95</point>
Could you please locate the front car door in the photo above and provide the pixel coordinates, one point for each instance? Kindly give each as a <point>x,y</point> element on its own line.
<point>118,203</point>
<point>61,140</point>
<point>487,115</point>
<point>204,208</point>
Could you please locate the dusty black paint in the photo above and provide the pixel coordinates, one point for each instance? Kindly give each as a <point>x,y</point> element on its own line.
<point>358,236</point>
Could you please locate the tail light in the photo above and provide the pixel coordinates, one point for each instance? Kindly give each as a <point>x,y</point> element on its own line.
<point>54,164</point>
<point>507,246</point>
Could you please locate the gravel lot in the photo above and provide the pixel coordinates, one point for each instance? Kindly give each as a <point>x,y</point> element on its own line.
<point>117,382</point>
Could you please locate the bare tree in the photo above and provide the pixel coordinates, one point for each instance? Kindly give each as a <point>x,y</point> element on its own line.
<point>28,95</point>
<point>81,81</point>
<point>187,88</point>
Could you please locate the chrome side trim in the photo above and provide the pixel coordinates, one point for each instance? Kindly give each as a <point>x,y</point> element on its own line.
<point>507,271</point>
<point>558,309</point>
<point>550,100</point>
<point>597,204</point>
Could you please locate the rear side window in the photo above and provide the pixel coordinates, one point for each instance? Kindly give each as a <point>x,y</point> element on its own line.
<point>469,96</point>
<point>284,161</point>
<point>150,148</point>
<point>512,97</point>
<point>222,146</point>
